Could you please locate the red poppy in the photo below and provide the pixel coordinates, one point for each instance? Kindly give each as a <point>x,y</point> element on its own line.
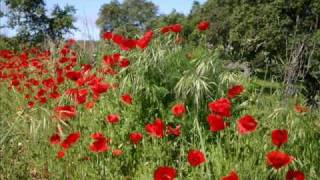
<point>117,152</point>
<point>278,159</point>
<point>232,176</point>
<point>235,91</point>
<point>117,39</point>
<point>196,158</point>
<point>176,28</point>
<point>279,137</point>
<point>221,106</point>
<point>107,35</point>
<point>74,75</point>
<point>165,29</point>
<point>174,131</point>
<point>60,154</point>
<point>126,98</point>
<point>113,118</point>
<point>135,137</point>
<point>100,143</point>
<point>90,105</point>
<point>144,41</point>
<point>216,123</point>
<point>178,110</point>
<point>124,63</point>
<point>156,129</point>
<point>55,139</point>
<point>295,175</point>
<point>99,88</point>
<point>128,44</point>
<point>31,104</point>
<point>70,140</point>
<point>203,25</point>
<point>165,173</point>
<point>82,96</point>
<point>65,112</point>
<point>246,124</point>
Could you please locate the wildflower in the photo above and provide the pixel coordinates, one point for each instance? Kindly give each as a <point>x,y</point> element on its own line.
<point>178,110</point>
<point>246,124</point>
<point>65,112</point>
<point>113,118</point>
<point>279,137</point>
<point>55,139</point>
<point>235,91</point>
<point>278,159</point>
<point>221,106</point>
<point>216,122</point>
<point>165,173</point>
<point>70,140</point>
<point>155,129</point>
<point>232,176</point>
<point>174,131</point>
<point>203,25</point>
<point>126,98</point>
<point>135,137</point>
<point>295,175</point>
<point>196,158</point>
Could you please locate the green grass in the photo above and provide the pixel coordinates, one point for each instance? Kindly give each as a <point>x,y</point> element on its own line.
<point>158,78</point>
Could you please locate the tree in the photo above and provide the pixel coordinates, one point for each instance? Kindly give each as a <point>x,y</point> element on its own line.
<point>34,25</point>
<point>129,17</point>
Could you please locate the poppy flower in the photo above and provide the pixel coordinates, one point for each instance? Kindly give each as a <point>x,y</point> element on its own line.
<point>99,88</point>
<point>128,44</point>
<point>117,39</point>
<point>156,128</point>
<point>203,25</point>
<point>135,137</point>
<point>60,154</point>
<point>124,63</point>
<point>82,96</point>
<point>278,159</point>
<point>174,131</point>
<point>126,98</point>
<point>178,110</point>
<point>216,123</point>
<point>107,35</point>
<point>117,152</point>
<point>65,112</point>
<point>31,104</point>
<point>295,175</point>
<point>232,176</point>
<point>113,118</point>
<point>246,124</point>
<point>176,28</point>
<point>165,173</point>
<point>99,144</point>
<point>73,75</point>
<point>235,91</point>
<point>221,106</point>
<point>165,29</point>
<point>90,105</point>
<point>70,140</point>
<point>279,137</point>
<point>196,158</point>
<point>55,139</point>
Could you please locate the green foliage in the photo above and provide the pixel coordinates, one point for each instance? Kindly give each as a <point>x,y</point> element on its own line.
<point>131,16</point>
<point>32,23</point>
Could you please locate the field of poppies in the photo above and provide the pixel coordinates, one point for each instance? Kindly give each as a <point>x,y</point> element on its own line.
<point>151,107</point>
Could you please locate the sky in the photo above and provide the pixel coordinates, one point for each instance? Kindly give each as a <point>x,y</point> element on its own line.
<point>87,14</point>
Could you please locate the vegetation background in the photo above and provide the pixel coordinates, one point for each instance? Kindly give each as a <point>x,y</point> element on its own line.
<point>270,47</point>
